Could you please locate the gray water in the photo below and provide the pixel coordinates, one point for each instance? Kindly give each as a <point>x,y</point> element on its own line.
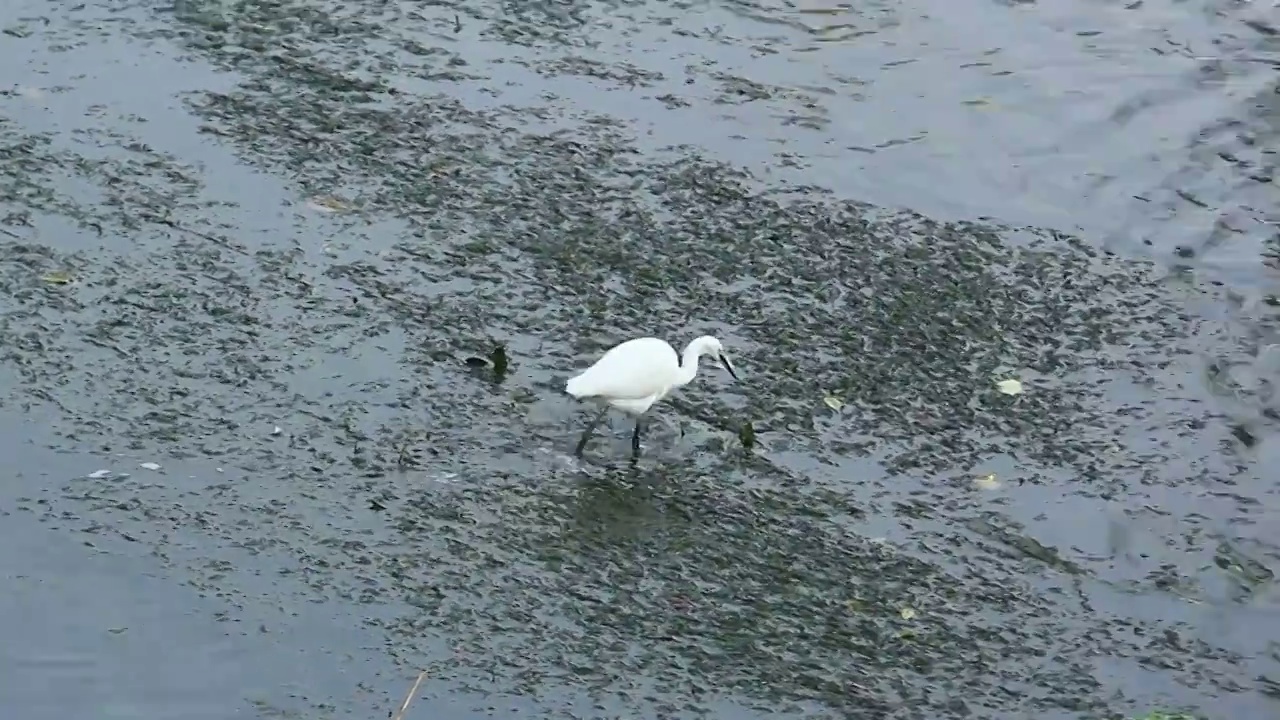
<point>890,206</point>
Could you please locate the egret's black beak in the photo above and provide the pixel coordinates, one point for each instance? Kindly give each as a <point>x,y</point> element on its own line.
<point>728,365</point>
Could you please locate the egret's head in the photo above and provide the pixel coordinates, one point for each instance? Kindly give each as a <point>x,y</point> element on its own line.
<point>711,347</point>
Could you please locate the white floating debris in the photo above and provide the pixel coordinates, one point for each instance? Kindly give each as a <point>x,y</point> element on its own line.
<point>99,474</point>
<point>1009,387</point>
<point>219,470</point>
<point>986,482</point>
<point>277,430</point>
<point>150,466</point>
<point>29,93</point>
<point>833,402</point>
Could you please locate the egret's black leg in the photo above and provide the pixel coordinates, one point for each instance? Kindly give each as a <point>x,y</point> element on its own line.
<point>586,434</point>
<point>635,439</point>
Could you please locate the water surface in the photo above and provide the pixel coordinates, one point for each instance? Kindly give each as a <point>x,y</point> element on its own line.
<point>257,242</point>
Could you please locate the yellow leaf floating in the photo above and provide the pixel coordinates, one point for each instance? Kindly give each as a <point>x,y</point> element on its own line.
<point>57,278</point>
<point>907,613</point>
<point>833,402</point>
<point>1009,387</point>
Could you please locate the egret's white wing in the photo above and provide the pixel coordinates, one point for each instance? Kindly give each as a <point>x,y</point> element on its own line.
<point>633,370</point>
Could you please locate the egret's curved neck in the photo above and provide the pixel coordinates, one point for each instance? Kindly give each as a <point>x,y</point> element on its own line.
<point>689,363</point>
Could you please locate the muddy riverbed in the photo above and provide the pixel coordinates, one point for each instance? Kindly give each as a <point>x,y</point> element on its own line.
<point>255,257</point>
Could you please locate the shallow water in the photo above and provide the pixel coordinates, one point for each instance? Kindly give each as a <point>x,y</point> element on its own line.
<point>343,501</point>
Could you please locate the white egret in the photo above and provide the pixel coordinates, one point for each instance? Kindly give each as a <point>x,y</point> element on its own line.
<point>638,373</point>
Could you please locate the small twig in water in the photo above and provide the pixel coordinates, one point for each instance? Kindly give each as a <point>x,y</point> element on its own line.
<point>196,233</point>
<point>409,698</point>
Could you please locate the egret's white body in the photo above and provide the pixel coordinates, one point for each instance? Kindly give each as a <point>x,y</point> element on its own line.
<point>636,374</point>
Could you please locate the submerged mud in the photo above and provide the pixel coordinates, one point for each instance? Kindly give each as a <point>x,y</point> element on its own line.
<point>269,279</point>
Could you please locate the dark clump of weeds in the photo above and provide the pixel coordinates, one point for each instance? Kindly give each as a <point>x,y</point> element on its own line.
<point>495,365</point>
